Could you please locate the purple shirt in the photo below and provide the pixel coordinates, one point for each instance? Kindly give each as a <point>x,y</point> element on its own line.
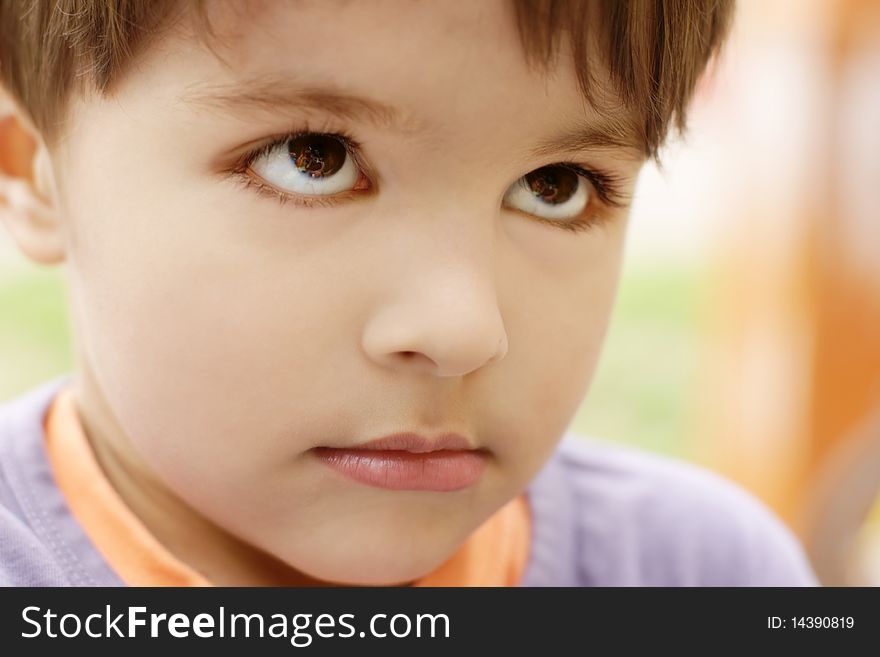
<point>602,515</point>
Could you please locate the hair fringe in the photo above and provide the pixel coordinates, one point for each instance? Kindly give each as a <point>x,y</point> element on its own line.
<point>653,50</point>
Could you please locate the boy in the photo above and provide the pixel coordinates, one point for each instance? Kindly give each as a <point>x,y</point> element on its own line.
<point>339,274</point>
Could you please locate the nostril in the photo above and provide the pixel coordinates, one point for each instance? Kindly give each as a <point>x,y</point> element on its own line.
<point>417,359</point>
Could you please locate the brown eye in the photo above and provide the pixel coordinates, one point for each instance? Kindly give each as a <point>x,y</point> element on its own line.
<point>551,192</point>
<point>554,184</point>
<point>317,155</point>
<point>309,164</point>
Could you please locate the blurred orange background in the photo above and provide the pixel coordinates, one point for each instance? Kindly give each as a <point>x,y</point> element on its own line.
<point>776,192</point>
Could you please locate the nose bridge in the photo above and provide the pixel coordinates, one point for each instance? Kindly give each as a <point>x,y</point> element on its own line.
<point>440,312</point>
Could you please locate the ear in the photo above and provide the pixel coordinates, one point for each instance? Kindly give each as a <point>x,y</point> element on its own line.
<point>28,199</point>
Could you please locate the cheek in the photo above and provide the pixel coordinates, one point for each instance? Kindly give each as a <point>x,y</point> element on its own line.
<point>574,339</point>
<point>561,365</point>
<point>556,332</point>
<point>201,345</point>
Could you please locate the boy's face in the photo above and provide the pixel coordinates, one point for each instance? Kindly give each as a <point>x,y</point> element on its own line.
<point>222,335</point>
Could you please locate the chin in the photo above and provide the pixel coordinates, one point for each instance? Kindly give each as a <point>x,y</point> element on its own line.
<point>385,548</point>
<point>393,565</point>
<point>388,570</point>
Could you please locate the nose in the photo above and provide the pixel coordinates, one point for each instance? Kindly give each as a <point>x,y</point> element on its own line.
<point>444,321</point>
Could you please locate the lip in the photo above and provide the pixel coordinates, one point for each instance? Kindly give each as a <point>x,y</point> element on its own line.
<point>409,461</point>
<point>413,442</point>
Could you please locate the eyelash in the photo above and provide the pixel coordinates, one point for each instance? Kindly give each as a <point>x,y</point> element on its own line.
<point>608,186</point>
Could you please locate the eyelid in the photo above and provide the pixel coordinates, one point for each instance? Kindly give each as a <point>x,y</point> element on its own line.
<point>261,187</point>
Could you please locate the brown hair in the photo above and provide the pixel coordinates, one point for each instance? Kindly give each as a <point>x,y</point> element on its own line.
<point>654,50</point>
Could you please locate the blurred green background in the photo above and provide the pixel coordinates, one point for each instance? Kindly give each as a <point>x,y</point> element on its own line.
<point>639,394</point>
<point>34,342</point>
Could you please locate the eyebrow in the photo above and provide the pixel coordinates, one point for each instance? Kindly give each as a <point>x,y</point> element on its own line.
<point>606,133</point>
<point>270,94</point>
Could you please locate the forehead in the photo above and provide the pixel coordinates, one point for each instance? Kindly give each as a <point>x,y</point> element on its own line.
<point>357,39</point>
<point>430,62</point>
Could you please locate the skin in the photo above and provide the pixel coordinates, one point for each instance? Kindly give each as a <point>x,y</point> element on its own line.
<point>220,335</point>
